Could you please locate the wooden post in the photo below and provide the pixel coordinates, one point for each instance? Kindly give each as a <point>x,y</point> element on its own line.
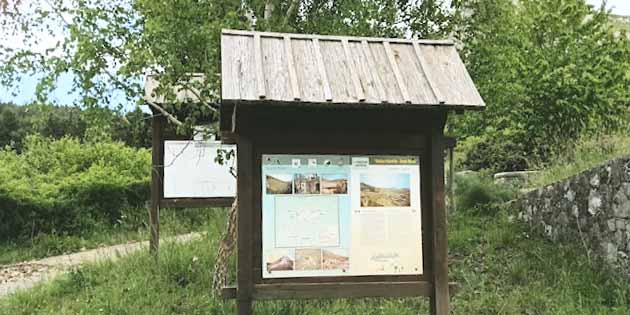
<point>439,259</point>
<point>451,181</point>
<point>245,237</point>
<point>157,171</point>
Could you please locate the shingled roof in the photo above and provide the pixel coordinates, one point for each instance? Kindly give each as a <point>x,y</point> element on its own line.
<point>262,67</point>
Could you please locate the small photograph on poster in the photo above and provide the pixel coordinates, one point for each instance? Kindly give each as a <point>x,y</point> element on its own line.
<point>280,260</point>
<point>279,184</point>
<point>306,183</point>
<point>334,184</point>
<point>308,259</point>
<point>335,259</point>
<point>385,190</point>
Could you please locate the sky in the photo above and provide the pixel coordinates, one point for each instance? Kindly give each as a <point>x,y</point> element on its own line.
<point>384,180</point>
<point>26,88</point>
<point>619,7</point>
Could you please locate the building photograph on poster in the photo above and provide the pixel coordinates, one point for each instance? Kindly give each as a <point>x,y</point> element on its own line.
<point>359,215</point>
<point>334,184</point>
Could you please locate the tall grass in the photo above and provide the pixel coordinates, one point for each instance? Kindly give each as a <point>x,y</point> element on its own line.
<point>500,267</point>
<point>586,153</point>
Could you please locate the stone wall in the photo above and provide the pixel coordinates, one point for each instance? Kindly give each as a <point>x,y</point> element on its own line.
<point>591,208</point>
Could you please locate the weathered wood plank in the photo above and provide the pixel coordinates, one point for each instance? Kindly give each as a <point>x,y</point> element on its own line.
<point>260,76</point>
<point>374,72</point>
<point>293,81</point>
<point>440,294</point>
<point>417,86</point>
<point>245,266</point>
<point>338,38</point>
<point>337,290</point>
<point>337,71</point>
<point>424,71</point>
<point>196,202</point>
<point>358,90</point>
<point>276,70</point>
<point>415,289</point>
<point>157,185</point>
<point>322,70</point>
<point>392,62</point>
<point>307,71</point>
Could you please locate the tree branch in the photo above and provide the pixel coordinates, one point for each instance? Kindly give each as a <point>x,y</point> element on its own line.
<point>164,112</point>
<point>291,11</point>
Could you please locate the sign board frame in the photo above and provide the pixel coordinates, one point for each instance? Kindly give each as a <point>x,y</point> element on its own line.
<point>157,201</point>
<point>401,132</point>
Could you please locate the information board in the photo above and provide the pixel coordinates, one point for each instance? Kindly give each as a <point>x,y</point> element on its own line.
<point>190,170</point>
<point>340,215</point>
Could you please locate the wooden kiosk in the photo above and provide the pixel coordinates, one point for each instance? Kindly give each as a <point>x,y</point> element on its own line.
<point>292,101</point>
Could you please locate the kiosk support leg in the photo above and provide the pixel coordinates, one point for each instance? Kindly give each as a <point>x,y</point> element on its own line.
<point>245,264</point>
<point>157,170</point>
<point>439,259</point>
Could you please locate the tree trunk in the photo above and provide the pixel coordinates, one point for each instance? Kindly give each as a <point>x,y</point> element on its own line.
<point>226,248</point>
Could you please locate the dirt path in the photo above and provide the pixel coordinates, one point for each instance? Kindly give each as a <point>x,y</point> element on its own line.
<point>27,274</point>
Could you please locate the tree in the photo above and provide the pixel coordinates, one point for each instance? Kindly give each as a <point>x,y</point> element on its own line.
<point>549,71</point>
<point>114,43</point>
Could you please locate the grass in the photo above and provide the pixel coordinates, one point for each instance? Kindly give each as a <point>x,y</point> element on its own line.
<point>133,227</point>
<point>586,154</point>
<point>501,268</point>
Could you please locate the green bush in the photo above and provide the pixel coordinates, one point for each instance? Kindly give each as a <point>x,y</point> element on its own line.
<point>65,186</point>
<point>479,193</point>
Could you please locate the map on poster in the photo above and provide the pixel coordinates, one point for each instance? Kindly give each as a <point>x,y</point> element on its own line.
<point>340,215</point>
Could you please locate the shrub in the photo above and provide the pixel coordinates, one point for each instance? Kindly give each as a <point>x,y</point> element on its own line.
<point>479,193</point>
<point>65,186</point>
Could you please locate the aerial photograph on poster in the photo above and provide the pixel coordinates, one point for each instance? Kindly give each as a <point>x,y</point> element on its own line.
<point>279,184</point>
<point>308,259</point>
<point>334,184</point>
<point>306,183</point>
<point>385,190</point>
<point>335,259</point>
<point>280,261</point>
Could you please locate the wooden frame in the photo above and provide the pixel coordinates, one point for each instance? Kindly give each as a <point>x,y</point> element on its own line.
<point>262,130</point>
<point>158,201</point>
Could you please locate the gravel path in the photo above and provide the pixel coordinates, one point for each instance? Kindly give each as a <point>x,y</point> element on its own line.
<point>27,274</point>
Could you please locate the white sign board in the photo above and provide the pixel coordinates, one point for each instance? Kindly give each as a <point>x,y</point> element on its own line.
<point>190,170</point>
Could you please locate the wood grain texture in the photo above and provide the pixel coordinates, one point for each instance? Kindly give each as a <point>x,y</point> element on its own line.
<point>196,202</point>
<point>394,65</point>
<point>338,71</point>
<point>157,184</point>
<point>322,70</point>
<point>426,76</point>
<point>276,70</point>
<point>440,295</point>
<point>418,88</point>
<point>354,290</point>
<point>339,38</point>
<point>260,76</point>
<point>245,266</point>
<point>295,88</point>
<point>368,74</point>
<point>352,68</point>
<point>313,70</point>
